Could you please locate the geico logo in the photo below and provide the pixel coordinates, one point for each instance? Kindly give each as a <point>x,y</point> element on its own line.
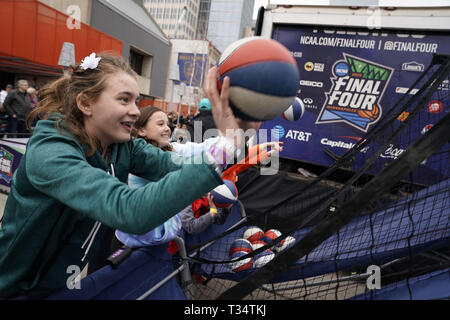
<point>311,83</point>
<point>298,135</point>
<point>337,144</point>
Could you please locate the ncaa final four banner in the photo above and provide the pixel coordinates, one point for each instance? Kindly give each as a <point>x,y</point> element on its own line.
<point>349,80</point>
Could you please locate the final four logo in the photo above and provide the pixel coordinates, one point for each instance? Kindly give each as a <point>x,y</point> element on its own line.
<point>354,98</point>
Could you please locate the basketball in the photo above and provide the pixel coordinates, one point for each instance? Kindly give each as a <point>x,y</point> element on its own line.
<point>241,264</point>
<point>264,78</point>
<point>288,242</point>
<point>262,258</point>
<point>370,114</point>
<point>258,244</point>
<point>271,235</point>
<point>426,128</point>
<point>240,245</point>
<point>253,234</point>
<point>225,195</point>
<point>295,111</point>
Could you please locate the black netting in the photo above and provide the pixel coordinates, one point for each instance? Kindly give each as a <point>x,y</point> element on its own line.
<point>381,209</point>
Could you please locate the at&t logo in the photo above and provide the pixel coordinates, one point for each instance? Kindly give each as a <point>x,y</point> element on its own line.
<point>278,132</point>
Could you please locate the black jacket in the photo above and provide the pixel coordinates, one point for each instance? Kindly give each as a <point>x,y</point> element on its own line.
<point>206,120</point>
<point>17,103</point>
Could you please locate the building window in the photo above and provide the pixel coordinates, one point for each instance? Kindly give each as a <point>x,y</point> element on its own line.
<point>141,62</point>
<point>136,61</point>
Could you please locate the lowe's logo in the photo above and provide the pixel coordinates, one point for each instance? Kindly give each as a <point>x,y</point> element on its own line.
<point>413,66</point>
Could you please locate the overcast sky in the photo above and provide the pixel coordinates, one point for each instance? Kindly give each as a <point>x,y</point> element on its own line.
<point>398,3</point>
<point>258,3</point>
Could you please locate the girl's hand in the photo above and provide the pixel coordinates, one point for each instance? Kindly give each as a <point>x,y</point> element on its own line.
<point>274,147</point>
<point>211,201</point>
<point>227,124</point>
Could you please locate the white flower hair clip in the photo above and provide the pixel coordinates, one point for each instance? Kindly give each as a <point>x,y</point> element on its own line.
<point>90,62</point>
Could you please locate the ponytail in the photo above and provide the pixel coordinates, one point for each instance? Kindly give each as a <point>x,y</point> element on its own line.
<point>60,96</point>
<point>51,98</point>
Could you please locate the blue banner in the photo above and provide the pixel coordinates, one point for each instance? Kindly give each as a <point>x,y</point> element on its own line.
<point>9,161</point>
<point>349,80</point>
<point>192,68</point>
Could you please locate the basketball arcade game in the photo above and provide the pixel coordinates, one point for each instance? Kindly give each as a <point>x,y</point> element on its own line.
<point>354,65</point>
<point>386,119</point>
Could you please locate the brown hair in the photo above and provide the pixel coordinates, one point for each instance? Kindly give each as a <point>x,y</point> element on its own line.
<point>60,96</point>
<point>146,114</point>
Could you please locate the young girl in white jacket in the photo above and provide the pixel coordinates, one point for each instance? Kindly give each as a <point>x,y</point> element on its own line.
<point>153,126</point>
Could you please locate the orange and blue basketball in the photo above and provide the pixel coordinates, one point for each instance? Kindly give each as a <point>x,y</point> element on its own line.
<point>295,111</point>
<point>264,78</point>
<point>286,243</point>
<point>240,265</point>
<point>225,195</point>
<point>253,234</point>
<point>258,244</point>
<point>240,245</point>
<point>262,258</point>
<point>271,235</point>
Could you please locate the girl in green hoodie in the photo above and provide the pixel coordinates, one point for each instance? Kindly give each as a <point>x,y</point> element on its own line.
<point>71,182</point>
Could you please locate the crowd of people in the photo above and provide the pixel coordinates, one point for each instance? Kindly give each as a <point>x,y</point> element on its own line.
<point>73,183</point>
<point>184,129</point>
<point>15,106</point>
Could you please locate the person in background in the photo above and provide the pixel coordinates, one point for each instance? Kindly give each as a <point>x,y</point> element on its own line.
<point>171,117</point>
<point>34,102</point>
<point>201,214</point>
<point>180,134</point>
<point>202,122</point>
<point>18,106</point>
<point>3,114</point>
<point>33,97</point>
<point>190,117</point>
<point>4,93</point>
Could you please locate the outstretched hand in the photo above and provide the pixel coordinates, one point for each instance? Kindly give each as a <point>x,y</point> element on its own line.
<point>211,201</point>
<point>227,124</point>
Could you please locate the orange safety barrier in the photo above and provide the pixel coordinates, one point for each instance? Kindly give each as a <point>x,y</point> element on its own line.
<point>36,32</point>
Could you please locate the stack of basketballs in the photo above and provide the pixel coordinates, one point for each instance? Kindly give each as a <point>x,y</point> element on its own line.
<point>252,239</point>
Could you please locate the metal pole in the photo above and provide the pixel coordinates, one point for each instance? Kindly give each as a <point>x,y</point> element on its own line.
<point>183,13</point>
<point>161,283</point>
<point>171,96</point>
<point>179,109</point>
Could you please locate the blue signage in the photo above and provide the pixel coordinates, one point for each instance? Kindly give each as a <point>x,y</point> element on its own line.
<point>349,81</point>
<point>9,161</point>
<point>192,68</point>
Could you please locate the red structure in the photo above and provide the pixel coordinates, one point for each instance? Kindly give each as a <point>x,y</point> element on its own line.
<point>32,36</point>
